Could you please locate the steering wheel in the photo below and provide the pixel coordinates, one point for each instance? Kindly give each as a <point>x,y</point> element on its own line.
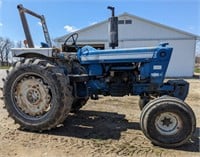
<point>72,38</point>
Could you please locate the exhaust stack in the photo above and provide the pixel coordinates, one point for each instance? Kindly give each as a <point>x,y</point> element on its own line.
<point>113,28</point>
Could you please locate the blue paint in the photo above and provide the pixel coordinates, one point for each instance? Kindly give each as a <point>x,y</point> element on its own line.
<point>133,71</point>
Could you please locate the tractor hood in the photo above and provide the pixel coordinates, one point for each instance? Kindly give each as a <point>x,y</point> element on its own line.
<point>88,54</point>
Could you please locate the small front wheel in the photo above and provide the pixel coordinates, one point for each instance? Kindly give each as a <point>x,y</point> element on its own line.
<point>143,101</point>
<point>168,122</point>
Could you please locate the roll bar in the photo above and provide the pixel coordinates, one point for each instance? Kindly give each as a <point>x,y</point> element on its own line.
<point>22,12</point>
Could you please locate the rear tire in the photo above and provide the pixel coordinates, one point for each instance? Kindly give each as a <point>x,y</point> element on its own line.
<point>37,94</point>
<point>168,122</point>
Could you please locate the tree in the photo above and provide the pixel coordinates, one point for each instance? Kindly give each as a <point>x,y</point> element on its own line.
<point>5,46</point>
<point>19,44</point>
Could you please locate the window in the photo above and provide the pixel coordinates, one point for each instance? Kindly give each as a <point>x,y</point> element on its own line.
<point>121,22</point>
<point>128,21</point>
<point>125,22</point>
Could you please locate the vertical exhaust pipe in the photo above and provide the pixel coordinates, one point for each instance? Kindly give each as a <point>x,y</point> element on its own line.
<point>113,28</point>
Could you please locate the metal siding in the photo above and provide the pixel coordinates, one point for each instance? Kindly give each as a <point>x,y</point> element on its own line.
<point>99,32</point>
<point>144,30</point>
<point>182,60</point>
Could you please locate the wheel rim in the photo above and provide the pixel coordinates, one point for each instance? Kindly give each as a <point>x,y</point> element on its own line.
<point>31,96</point>
<point>168,123</point>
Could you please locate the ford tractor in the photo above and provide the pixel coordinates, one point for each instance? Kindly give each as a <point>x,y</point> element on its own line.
<point>48,83</point>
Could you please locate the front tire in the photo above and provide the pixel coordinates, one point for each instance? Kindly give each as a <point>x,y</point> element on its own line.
<point>168,122</point>
<point>143,101</point>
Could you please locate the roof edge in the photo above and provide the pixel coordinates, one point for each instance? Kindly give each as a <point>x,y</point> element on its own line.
<point>80,30</point>
<point>161,25</point>
<point>133,16</point>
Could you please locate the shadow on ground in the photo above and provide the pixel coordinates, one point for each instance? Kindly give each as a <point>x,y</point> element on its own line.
<point>194,144</point>
<point>94,125</point>
<point>107,125</point>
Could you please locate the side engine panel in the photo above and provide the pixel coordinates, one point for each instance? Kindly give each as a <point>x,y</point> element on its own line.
<point>125,71</point>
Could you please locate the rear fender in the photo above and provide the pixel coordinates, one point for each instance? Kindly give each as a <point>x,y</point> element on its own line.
<point>32,52</point>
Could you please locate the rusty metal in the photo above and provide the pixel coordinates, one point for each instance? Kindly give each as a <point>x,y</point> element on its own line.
<point>22,12</point>
<point>32,96</point>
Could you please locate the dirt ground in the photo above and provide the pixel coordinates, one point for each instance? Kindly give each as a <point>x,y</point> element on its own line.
<point>108,127</point>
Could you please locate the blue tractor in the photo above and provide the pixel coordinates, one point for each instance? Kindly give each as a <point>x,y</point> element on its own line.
<point>46,85</point>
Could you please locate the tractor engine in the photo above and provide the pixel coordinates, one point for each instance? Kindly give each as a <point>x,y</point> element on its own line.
<point>119,83</point>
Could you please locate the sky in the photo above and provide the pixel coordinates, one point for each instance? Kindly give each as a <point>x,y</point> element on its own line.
<point>65,16</point>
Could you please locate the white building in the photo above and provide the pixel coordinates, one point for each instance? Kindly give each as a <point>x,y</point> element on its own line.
<point>138,32</point>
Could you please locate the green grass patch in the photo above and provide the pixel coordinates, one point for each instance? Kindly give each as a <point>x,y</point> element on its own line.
<point>4,67</point>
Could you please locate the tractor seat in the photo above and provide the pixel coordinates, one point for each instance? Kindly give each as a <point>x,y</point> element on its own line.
<point>44,45</point>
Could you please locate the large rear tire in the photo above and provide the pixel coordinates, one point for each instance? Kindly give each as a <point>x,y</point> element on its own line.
<point>37,94</point>
<point>168,122</point>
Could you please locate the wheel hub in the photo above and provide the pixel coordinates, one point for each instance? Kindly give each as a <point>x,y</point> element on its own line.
<point>168,123</point>
<point>32,96</point>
